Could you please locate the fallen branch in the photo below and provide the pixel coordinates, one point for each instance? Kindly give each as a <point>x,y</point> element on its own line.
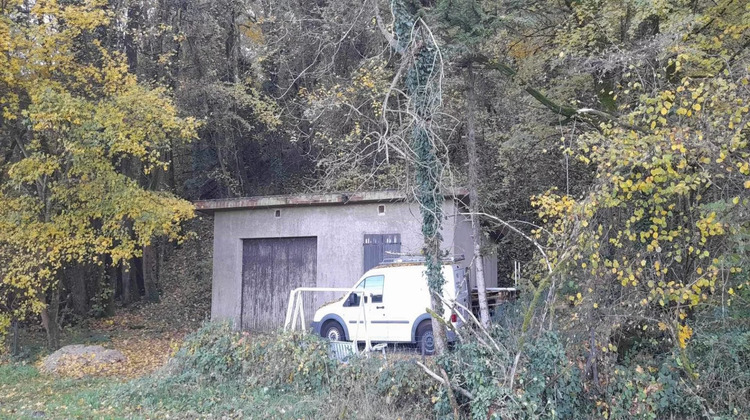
<point>520,232</point>
<point>451,395</point>
<point>437,377</point>
<point>537,293</point>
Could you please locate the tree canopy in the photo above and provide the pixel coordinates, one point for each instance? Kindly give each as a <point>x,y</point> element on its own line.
<point>78,131</point>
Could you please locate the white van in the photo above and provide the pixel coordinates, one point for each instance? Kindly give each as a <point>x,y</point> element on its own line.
<point>397,311</point>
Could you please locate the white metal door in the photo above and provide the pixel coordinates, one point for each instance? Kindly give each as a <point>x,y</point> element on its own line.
<point>377,326</point>
<point>357,309</point>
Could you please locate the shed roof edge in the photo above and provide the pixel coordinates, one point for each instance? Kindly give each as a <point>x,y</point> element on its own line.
<point>300,200</point>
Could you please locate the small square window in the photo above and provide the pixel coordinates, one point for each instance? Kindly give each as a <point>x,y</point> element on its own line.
<point>381,210</point>
<point>277,214</point>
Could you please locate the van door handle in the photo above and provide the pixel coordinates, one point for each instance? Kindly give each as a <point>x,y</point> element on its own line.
<point>380,307</point>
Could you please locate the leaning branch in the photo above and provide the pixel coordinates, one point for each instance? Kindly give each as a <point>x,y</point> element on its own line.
<point>537,293</point>
<point>564,110</point>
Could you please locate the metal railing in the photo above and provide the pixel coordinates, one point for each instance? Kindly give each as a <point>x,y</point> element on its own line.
<point>295,311</point>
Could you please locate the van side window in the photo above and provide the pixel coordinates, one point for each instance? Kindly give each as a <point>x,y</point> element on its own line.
<point>372,285</point>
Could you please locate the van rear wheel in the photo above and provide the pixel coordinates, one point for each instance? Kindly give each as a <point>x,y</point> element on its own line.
<point>425,338</point>
<point>333,331</point>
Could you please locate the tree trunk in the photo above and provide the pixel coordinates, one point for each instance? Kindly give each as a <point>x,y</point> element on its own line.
<point>160,251</point>
<point>150,273</point>
<point>424,99</point>
<point>14,344</point>
<point>232,47</point>
<point>112,272</point>
<point>49,319</point>
<point>75,281</point>
<point>476,231</point>
<point>130,292</point>
<point>133,27</point>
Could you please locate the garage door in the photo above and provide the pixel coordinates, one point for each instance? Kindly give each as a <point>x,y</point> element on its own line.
<point>271,268</point>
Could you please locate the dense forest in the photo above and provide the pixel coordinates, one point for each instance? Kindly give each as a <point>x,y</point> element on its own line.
<point>604,144</point>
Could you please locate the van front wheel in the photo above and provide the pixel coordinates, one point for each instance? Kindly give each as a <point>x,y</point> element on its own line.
<point>425,338</point>
<point>332,331</point>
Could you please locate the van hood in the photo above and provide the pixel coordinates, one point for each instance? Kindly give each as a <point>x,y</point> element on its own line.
<point>323,309</point>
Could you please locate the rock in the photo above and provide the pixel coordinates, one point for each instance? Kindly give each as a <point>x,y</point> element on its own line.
<point>80,354</point>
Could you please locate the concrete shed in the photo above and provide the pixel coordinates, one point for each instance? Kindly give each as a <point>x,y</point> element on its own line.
<point>266,246</point>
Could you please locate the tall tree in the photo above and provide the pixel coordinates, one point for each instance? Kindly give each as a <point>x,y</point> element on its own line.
<point>476,228</point>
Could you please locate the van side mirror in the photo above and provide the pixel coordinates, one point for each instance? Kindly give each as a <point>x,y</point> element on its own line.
<point>352,300</point>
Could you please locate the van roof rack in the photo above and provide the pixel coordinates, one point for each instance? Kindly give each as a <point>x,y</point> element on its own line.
<point>406,259</point>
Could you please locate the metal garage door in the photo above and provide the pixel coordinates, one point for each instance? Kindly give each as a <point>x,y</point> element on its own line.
<point>271,267</point>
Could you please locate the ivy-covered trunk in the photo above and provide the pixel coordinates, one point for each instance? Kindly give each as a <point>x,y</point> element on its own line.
<point>423,92</point>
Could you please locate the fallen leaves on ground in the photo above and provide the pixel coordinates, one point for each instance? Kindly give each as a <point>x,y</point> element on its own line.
<point>146,343</point>
<point>143,355</point>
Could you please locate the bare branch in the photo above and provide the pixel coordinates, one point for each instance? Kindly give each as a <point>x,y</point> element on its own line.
<point>387,35</point>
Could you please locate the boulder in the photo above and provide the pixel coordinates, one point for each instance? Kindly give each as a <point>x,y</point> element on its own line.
<point>80,355</point>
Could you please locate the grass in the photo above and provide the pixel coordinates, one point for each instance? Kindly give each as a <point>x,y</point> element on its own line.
<point>25,393</point>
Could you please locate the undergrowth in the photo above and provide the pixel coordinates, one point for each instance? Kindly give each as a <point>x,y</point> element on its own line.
<point>228,362</point>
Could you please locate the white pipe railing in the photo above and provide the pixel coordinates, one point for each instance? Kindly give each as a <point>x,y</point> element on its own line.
<point>295,311</point>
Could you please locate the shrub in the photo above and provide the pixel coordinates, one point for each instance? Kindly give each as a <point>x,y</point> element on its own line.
<point>548,383</point>
<point>214,352</point>
<point>722,360</point>
<point>289,360</point>
<point>403,383</point>
<point>648,392</point>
